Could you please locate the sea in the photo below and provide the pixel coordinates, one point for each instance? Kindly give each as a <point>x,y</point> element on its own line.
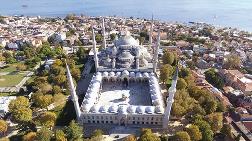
<point>224,13</point>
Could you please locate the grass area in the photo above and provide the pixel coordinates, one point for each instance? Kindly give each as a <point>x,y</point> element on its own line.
<point>168,83</point>
<point>9,68</point>
<point>8,94</point>
<point>10,79</point>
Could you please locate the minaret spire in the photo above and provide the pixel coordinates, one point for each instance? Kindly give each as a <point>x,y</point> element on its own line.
<point>104,33</point>
<point>94,50</point>
<point>73,93</point>
<point>170,99</point>
<point>151,31</point>
<point>155,61</point>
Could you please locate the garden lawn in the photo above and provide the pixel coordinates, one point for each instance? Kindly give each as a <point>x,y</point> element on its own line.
<point>9,68</point>
<point>10,80</point>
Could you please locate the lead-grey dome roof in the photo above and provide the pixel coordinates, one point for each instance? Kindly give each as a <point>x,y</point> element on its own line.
<point>127,40</point>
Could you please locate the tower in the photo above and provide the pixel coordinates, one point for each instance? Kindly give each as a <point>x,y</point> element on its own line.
<point>150,34</point>
<point>73,93</point>
<point>104,33</point>
<point>94,50</point>
<point>155,61</point>
<point>172,91</point>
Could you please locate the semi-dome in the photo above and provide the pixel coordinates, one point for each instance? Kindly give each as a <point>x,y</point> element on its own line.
<point>127,40</point>
<point>126,55</point>
<point>118,74</point>
<point>122,110</point>
<point>132,74</point>
<point>111,74</point>
<point>105,74</point>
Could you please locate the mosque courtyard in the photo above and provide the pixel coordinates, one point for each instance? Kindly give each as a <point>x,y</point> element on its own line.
<point>112,93</point>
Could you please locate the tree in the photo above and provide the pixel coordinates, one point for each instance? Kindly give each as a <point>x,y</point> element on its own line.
<point>60,135</point>
<point>182,136</point>
<point>213,78</point>
<point>47,119</point>
<point>76,73</point>
<point>210,106</point>
<point>194,133</point>
<point>205,128</point>
<point>20,110</point>
<point>41,100</point>
<point>130,138</point>
<point>31,136</point>
<point>3,127</point>
<point>181,84</point>
<point>165,72</point>
<point>168,58</point>
<point>112,36</point>
<point>59,80</point>
<point>147,135</point>
<point>44,134</point>
<point>21,67</point>
<point>233,62</point>
<point>56,89</point>
<point>226,130</point>
<point>74,131</point>
<point>59,99</point>
<point>97,133</point>
<point>45,88</point>
<point>98,38</point>
<point>81,54</point>
<point>215,120</point>
<point>184,72</point>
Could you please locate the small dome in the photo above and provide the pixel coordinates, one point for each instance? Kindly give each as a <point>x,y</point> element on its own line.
<point>85,108</point>
<point>125,72</point>
<point>146,74</point>
<point>118,74</point>
<point>159,110</point>
<point>140,110</point>
<point>105,74</point>
<point>138,74</point>
<point>127,40</point>
<point>111,74</point>
<point>103,109</point>
<point>149,109</point>
<point>132,74</point>
<point>112,109</point>
<point>131,109</point>
<point>94,109</point>
<point>85,102</point>
<point>122,110</point>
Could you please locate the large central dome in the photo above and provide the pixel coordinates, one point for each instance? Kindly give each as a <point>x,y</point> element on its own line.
<point>127,40</point>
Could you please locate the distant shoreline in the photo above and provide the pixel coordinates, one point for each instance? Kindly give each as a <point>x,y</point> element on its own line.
<point>62,16</point>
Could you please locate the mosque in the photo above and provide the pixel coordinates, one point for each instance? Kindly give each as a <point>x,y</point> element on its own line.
<point>125,89</point>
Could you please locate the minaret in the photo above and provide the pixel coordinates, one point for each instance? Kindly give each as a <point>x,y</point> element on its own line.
<point>172,91</point>
<point>94,50</point>
<point>155,61</point>
<point>73,93</point>
<point>104,33</point>
<point>150,34</point>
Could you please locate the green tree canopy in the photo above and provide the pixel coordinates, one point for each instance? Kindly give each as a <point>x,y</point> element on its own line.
<point>194,133</point>
<point>182,136</point>
<point>168,58</point>
<point>31,136</point>
<point>165,72</point>
<point>47,119</point>
<point>216,121</point>
<point>74,132</point>
<point>147,135</point>
<point>3,126</point>
<point>226,130</point>
<point>181,84</point>
<point>60,135</point>
<point>20,110</point>
<point>233,62</point>
<point>130,138</point>
<point>44,134</point>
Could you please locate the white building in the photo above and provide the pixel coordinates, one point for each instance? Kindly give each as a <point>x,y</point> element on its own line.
<point>125,89</point>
